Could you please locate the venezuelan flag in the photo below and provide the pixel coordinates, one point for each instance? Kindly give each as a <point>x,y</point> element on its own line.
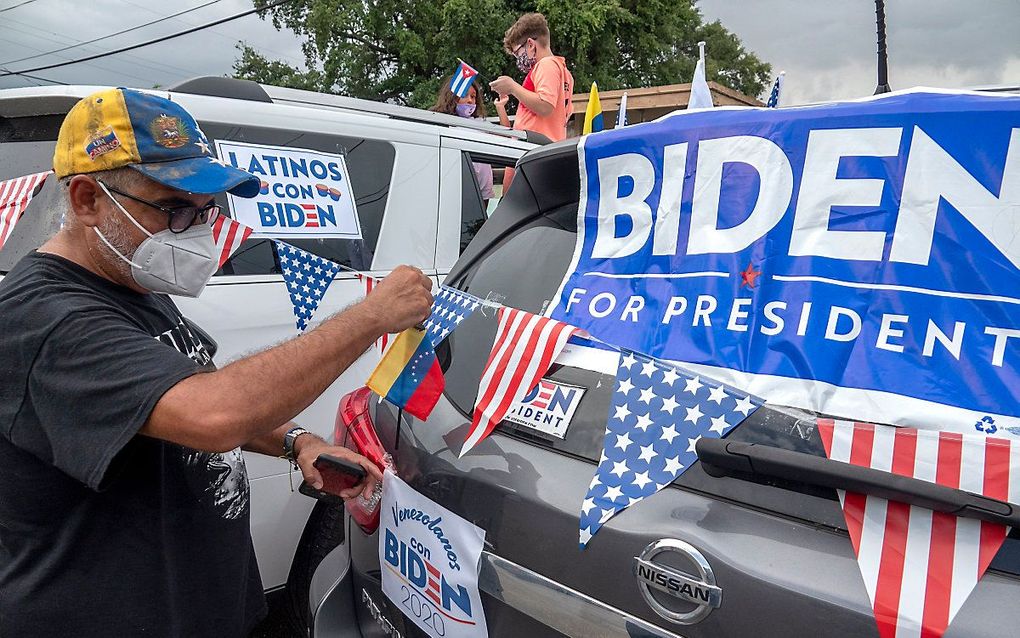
<point>593,114</point>
<point>409,375</point>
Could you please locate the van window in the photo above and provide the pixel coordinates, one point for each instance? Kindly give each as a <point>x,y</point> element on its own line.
<point>370,163</point>
<point>26,146</point>
<point>481,189</point>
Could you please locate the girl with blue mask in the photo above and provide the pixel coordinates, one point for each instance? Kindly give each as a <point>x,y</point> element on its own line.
<point>471,106</point>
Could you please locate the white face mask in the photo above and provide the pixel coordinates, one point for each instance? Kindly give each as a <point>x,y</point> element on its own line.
<point>174,263</point>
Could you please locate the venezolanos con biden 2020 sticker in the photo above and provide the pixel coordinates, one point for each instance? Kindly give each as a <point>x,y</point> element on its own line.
<point>429,559</point>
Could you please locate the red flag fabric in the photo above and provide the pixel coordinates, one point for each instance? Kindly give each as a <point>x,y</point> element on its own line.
<point>524,348</point>
<point>228,235</point>
<point>15,194</point>
<point>919,566</point>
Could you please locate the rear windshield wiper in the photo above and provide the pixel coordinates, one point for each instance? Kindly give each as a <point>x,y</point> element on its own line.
<point>747,461</point>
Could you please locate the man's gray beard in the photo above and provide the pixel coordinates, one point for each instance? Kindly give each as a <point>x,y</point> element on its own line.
<point>114,231</point>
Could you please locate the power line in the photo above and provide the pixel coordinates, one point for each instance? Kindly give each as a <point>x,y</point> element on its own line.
<point>15,6</point>
<point>149,42</point>
<point>33,77</point>
<point>121,32</point>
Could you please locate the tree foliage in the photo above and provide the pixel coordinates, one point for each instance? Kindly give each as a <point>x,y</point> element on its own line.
<point>400,50</point>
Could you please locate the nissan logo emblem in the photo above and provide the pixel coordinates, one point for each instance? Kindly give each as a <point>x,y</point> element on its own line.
<point>698,589</point>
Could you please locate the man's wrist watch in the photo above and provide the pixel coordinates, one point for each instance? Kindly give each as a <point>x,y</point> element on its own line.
<point>289,439</point>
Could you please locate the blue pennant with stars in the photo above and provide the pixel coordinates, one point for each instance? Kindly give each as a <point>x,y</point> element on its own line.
<point>307,276</point>
<point>449,308</point>
<point>657,415</point>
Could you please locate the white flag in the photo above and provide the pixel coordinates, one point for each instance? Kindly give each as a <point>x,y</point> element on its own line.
<point>621,117</point>
<point>701,96</point>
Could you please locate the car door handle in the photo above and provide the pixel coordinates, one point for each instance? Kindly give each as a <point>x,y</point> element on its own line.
<point>736,459</point>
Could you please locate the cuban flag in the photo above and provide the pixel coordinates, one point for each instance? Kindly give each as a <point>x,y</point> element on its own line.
<point>462,79</point>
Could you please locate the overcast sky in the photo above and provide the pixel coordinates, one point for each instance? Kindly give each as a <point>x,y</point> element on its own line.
<point>826,47</point>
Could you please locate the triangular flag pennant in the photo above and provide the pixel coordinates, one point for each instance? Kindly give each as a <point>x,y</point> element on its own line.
<point>657,415</point>
<point>524,348</point>
<point>919,566</point>
<point>15,195</point>
<point>307,277</point>
<point>228,235</point>
<point>449,309</point>
<point>370,283</point>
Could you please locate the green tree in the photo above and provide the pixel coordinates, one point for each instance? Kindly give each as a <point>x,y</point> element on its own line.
<point>400,50</point>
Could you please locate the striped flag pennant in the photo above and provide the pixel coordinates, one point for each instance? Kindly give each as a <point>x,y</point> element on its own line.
<point>462,79</point>
<point>919,566</point>
<point>370,283</point>
<point>524,348</point>
<point>228,235</point>
<point>15,194</point>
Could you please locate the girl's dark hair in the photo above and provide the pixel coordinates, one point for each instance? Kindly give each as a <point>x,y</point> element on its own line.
<point>446,101</point>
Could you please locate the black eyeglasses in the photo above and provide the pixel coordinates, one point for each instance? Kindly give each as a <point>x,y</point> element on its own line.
<point>181,217</point>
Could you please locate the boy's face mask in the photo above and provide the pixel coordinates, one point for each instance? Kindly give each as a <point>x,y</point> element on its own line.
<point>525,62</point>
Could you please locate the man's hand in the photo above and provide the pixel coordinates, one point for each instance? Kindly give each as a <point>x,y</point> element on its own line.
<point>309,447</point>
<point>403,299</point>
<point>505,85</point>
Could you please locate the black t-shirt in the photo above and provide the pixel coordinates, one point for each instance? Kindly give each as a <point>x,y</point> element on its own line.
<point>105,532</point>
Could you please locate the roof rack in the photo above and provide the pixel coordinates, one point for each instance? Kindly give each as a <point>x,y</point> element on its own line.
<point>248,90</point>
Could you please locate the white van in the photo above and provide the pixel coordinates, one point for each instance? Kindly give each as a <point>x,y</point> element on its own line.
<point>418,203</point>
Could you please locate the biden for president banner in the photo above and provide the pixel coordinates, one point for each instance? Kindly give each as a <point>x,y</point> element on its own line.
<point>304,193</point>
<point>860,259</point>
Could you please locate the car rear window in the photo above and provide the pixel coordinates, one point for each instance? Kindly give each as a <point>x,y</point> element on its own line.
<point>524,270</point>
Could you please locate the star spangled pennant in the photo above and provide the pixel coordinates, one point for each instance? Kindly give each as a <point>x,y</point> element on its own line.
<point>307,277</point>
<point>449,308</point>
<point>920,566</point>
<point>228,234</point>
<point>657,415</point>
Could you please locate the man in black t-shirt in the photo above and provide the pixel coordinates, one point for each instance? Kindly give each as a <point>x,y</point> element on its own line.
<point>123,493</point>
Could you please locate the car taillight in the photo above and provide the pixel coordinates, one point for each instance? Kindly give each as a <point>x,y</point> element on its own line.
<point>354,430</point>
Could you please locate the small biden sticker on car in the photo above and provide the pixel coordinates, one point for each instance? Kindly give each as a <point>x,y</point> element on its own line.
<point>548,408</point>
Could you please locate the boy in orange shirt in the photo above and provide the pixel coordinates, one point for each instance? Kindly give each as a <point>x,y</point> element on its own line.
<point>546,97</point>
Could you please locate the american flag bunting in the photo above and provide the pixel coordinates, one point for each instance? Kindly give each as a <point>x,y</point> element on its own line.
<point>657,416</point>
<point>15,195</point>
<point>228,235</point>
<point>524,348</point>
<point>919,566</point>
<point>449,309</point>
<point>307,277</point>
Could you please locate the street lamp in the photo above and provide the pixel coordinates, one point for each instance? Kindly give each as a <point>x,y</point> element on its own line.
<point>883,58</point>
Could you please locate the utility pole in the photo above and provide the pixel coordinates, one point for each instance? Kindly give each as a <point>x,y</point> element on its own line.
<point>883,58</point>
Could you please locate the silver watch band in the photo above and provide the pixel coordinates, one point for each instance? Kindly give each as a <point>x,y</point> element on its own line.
<point>289,439</point>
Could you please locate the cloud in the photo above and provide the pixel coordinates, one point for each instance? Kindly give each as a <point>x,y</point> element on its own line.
<point>828,49</point>
<point>52,24</point>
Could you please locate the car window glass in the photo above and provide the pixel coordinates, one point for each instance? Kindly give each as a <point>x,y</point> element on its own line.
<point>370,164</point>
